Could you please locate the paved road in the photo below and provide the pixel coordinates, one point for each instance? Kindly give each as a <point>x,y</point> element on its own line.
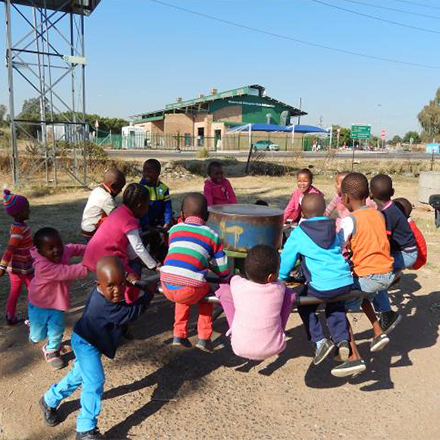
<point>359,155</point>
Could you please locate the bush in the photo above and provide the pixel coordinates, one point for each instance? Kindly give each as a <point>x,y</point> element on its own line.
<point>202,153</point>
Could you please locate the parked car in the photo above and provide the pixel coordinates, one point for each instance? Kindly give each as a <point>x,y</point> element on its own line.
<point>265,146</point>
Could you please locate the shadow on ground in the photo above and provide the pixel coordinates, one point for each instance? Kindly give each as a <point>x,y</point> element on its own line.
<point>417,330</point>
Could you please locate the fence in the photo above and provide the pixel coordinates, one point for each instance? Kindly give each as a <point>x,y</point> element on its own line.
<point>178,142</point>
<point>229,142</point>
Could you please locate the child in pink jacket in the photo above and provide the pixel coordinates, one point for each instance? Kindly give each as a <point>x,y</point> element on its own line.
<point>304,179</point>
<point>49,290</point>
<point>257,309</point>
<point>218,190</point>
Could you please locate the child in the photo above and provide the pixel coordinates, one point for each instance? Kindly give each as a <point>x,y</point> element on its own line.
<point>422,250</point>
<point>257,309</point>
<point>194,248</point>
<point>17,260</point>
<point>121,229</point>
<point>97,333</point>
<point>336,202</point>
<point>315,243</point>
<point>160,212</point>
<point>49,290</point>
<point>101,202</point>
<point>304,181</point>
<point>218,190</point>
<point>402,241</point>
<point>365,230</point>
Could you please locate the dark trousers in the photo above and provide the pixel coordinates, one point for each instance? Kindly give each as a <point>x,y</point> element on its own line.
<point>334,312</point>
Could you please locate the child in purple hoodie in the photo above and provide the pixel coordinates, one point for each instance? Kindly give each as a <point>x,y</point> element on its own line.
<point>218,190</point>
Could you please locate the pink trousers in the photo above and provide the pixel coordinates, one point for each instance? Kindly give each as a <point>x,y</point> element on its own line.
<point>17,281</point>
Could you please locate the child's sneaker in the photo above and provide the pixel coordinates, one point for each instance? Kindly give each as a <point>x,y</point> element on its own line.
<point>205,345</point>
<point>389,320</point>
<point>379,342</point>
<point>323,349</point>
<point>343,351</point>
<point>53,357</point>
<point>349,368</point>
<point>94,434</point>
<point>181,342</point>
<point>50,415</point>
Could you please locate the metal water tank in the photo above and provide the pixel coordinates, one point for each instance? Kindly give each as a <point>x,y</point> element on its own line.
<point>429,184</point>
<point>241,226</point>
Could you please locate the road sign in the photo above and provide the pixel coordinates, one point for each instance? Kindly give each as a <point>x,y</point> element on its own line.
<point>383,134</point>
<point>360,131</point>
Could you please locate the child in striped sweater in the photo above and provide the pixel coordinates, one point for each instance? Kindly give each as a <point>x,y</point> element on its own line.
<point>17,260</point>
<point>193,249</point>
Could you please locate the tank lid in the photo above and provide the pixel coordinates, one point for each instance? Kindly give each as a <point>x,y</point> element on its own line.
<point>246,210</point>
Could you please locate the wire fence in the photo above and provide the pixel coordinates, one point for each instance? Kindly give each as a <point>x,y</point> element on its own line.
<point>186,142</point>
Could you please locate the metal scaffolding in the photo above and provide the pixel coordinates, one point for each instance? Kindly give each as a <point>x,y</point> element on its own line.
<point>48,58</point>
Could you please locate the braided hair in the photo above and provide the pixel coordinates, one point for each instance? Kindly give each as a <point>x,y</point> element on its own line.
<point>135,195</point>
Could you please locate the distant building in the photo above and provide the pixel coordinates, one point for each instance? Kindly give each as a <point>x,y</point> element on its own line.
<point>208,117</point>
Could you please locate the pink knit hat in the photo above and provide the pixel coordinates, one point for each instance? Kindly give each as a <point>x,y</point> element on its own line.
<point>13,202</point>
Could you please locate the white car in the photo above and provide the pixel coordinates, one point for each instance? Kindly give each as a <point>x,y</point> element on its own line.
<point>265,146</point>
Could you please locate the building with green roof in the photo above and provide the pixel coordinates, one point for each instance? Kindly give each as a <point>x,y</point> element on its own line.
<point>210,116</point>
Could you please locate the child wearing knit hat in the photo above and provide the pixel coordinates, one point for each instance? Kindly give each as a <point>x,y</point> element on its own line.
<point>17,260</point>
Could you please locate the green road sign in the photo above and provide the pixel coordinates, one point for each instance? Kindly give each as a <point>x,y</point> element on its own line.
<point>361,131</point>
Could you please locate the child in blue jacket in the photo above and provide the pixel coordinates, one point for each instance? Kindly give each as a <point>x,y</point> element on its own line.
<point>315,243</point>
<point>96,333</point>
<point>160,212</point>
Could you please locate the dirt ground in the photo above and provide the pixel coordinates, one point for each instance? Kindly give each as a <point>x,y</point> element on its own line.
<point>152,392</point>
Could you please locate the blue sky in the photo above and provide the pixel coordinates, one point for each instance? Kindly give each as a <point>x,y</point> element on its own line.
<point>142,55</point>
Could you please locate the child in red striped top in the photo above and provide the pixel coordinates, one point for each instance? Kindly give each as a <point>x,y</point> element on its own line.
<point>17,260</point>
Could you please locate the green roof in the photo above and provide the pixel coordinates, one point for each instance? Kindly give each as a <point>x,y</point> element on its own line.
<point>199,104</point>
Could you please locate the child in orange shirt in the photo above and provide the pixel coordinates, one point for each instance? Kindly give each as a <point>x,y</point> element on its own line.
<point>365,231</point>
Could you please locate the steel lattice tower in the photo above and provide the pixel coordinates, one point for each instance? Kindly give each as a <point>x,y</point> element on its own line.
<point>49,57</point>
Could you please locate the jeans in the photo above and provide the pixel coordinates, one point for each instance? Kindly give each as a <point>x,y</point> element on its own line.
<point>46,323</point>
<point>137,266</point>
<point>402,260</point>
<point>371,284</point>
<point>17,281</point>
<point>88,373</point>
<point>334,312</point>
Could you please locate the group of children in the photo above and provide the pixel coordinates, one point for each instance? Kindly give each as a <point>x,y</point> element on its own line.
<point>359,241</point>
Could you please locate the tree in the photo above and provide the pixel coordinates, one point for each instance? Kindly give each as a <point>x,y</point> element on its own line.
<point>344,136</point>
<point>3,111</point>
<point>396,140</point>
<point>31,109</point>
<point>429,119</point>
<point>412,135</point>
